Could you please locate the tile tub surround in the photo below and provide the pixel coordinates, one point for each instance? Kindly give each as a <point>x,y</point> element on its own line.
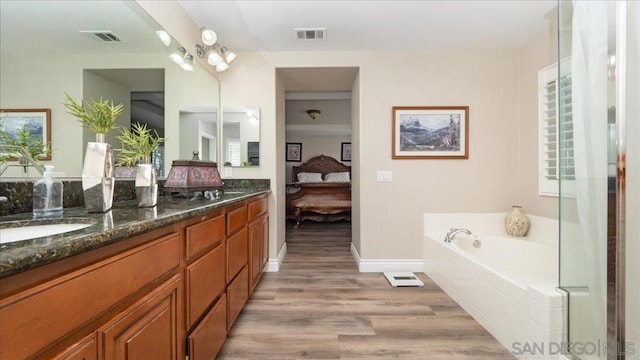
<point>517,313</point>
<point>123,221</point>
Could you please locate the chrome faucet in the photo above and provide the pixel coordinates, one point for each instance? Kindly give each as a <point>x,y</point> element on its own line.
<point>453,232</point>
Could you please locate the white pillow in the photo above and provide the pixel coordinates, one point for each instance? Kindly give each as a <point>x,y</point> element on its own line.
<point>337,177</point>
<point>305,177</point>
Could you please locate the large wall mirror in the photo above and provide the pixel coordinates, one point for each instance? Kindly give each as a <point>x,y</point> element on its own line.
<point>241,135</point>
<point>49,48</point>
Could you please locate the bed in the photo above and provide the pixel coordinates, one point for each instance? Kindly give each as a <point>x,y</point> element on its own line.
<point>320,191</point>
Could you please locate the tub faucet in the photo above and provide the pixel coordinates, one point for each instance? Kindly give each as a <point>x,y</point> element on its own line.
<point>453,232</point>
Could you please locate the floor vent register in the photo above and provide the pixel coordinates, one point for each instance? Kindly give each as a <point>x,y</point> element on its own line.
<point>403,279</point>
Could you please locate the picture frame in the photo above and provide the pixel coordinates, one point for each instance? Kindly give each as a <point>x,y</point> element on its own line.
<point>430,132</point>
<point>345,151</point>
<point>38,121</point>
<point>294,152</point>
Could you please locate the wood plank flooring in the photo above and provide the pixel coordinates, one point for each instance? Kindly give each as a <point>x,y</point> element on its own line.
<point>318,306</point>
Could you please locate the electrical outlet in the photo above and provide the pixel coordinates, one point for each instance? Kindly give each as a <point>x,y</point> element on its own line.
<point>384,176</point>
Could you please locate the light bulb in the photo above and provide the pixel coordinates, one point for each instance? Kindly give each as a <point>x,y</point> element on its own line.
<point>229,56</point>
<point>214,58</point>
<point>209,37</point>
<point>164,37</point>
<point>222,67</point>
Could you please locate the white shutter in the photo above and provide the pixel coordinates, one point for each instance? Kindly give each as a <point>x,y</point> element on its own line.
<point>555,138</point>
<point>233,152</point>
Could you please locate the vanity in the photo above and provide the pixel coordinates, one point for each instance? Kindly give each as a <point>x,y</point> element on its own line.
<point>138,283</point>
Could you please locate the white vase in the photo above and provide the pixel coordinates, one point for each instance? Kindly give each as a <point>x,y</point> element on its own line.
<point>146,184</point>
<point>97,175</point>
<point>516,223</point>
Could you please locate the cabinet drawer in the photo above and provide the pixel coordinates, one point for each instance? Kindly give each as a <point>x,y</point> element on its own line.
<point>237,295</point>
<point>236,219</point>
<point>207,338</point>
<point>205,280</point>
<point>73,299</point>
<point>258,207</point>
<point>204,235</point>
<point>237,253</point>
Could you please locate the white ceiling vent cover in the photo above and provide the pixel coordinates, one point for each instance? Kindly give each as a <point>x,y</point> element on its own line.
<point>102,35</point>
<point>403,279</point>
<point>311,33</point>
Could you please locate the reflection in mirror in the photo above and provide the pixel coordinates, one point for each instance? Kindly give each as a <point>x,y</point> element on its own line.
<point>198,132</point>
<point>241,135</point>
<point>86,66</point>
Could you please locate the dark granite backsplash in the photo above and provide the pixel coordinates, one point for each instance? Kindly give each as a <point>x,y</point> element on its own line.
<point>20,193</point>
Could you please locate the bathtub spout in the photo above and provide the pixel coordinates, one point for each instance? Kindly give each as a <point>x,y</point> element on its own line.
<point>453,232</point>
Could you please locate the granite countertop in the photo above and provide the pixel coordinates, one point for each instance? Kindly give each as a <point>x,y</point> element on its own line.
<point>123,221</point>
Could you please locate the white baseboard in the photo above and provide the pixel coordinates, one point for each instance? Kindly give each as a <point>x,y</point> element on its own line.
<point>385,265</point>
<point>273,265</point>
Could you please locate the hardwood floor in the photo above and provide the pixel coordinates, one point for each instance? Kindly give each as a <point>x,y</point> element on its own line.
<point>318,306</point>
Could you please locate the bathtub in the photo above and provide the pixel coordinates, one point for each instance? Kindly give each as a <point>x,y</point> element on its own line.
<point>509,285</point>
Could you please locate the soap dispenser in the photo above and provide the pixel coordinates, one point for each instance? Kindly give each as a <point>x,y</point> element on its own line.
<point>47,194</point>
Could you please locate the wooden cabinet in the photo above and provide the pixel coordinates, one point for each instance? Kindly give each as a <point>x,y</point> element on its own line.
<point>258,240</point>
<point>57,308</point>
<point>206,282</point>
<point>172,292</point>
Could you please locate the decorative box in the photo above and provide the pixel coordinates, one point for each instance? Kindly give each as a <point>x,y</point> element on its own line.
<point>187,176</point>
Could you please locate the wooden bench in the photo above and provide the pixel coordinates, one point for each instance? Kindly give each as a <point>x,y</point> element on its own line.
<point>328,210</point>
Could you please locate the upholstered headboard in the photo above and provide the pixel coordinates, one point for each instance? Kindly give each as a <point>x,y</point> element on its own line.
<point>320,164</point>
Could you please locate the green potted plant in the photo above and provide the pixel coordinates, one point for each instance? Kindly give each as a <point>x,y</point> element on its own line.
<point>137,145</point>
<point>99,116</point>
<point>33,148</point>
<point>97,172</point>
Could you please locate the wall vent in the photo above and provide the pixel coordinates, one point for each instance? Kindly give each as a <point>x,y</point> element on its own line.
<point>311,34</point>
<point>102,35</point>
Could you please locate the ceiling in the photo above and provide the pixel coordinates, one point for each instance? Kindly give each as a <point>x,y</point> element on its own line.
<point>39,28</point>
<point>399,25</point>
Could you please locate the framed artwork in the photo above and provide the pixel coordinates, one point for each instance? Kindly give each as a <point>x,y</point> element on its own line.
<point>37,121</point>
<point>430,132</point>
<point>345,152</point>
<point>294,152</point>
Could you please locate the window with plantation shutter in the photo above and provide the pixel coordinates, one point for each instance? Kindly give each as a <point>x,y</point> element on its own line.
<point>555,135</point>
<point>233,152</point>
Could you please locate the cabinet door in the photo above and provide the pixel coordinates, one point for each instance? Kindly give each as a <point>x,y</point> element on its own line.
<point>85,349</point>
<point>146,330</point>
<point>265,241</point>
<point>255,255</point>
<point>207,338</point>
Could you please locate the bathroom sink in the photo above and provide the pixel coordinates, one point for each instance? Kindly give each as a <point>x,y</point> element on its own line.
<point>24,230</point>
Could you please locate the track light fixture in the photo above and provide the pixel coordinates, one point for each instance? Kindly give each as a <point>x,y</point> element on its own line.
<point>216,55</point>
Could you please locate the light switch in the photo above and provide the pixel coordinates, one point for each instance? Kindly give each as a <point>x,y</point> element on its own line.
<point>384,176</point>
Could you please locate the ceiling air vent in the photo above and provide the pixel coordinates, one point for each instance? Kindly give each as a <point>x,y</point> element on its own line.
<point>311,34</point>
<point>102,35</point>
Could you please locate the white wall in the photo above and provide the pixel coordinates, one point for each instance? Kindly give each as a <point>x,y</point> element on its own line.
<point>537,54</point>
<point>95,87</point>
<point>486,81</point>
